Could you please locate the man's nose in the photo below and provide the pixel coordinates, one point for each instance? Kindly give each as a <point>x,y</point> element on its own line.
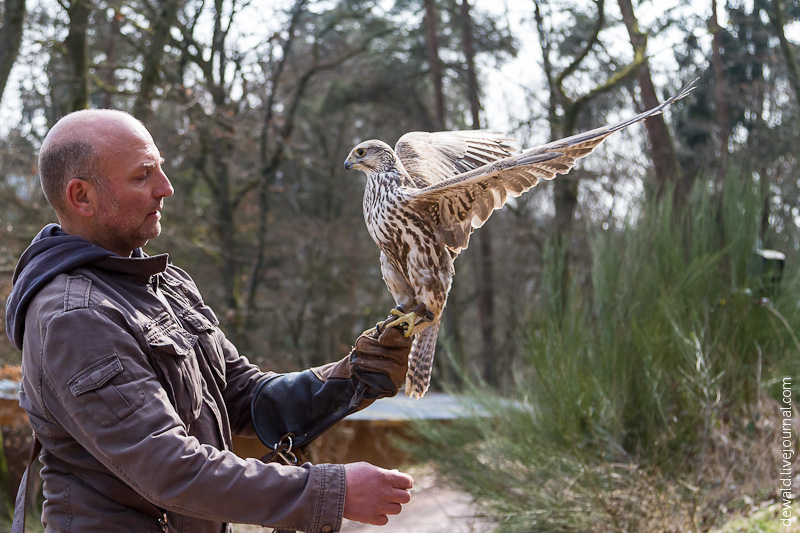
<point>164,187</point>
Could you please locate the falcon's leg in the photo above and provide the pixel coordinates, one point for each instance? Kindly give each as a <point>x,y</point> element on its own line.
<point>420,362</point>
<point>424,313</point>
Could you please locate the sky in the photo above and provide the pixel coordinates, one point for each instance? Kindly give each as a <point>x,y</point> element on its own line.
<point>504,96</point>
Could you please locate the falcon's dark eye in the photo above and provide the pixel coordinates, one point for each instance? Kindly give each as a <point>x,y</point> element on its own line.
<point>360,152</point>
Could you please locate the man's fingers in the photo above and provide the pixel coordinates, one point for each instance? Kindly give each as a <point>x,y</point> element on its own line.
<point>401,496</point>
<point>400,480</point>
<point>392,508</point>
<point>373,494</point>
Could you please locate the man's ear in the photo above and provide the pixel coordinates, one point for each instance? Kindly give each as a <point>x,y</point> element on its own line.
<point>81,197</point>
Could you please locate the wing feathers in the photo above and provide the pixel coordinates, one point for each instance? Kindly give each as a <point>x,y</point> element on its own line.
<point>433,157</point>
<point>481,179</point>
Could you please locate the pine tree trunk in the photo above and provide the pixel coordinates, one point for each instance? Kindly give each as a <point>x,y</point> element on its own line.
<point>77,52</point>
<point>483,257</point>
<point>666,168</point>
<point>719,96</point>
<point>432,33</point>
<point>164,18</point>
<point>778,20</point>
<point>10,38</point>
<point>109,72</point>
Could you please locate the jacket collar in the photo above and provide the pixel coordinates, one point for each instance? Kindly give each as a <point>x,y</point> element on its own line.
<point>53,252</point>
<point>139,264</point>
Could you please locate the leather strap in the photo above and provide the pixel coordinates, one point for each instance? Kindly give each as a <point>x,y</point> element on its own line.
<point>24,492</point>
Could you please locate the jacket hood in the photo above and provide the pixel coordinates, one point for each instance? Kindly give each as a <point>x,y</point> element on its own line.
<point>52,252</point>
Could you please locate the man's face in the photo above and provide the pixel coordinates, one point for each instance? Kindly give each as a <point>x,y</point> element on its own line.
<point>131,196</point>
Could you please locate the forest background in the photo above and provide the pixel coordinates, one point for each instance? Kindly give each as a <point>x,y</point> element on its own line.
<point>630,301</point>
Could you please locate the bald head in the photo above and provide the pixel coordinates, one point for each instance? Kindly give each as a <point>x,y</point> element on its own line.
<point>74,148</point>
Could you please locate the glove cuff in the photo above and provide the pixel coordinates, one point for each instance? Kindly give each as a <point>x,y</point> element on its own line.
<point>338,370</point>
<point>301,405</point>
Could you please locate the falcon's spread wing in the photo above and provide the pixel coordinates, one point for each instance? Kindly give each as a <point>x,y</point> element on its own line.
<point>430,158</point>
<point>466,199</point>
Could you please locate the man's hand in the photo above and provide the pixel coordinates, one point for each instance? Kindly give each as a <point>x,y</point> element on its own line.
<point>381,362</point>
<point>373,493</point>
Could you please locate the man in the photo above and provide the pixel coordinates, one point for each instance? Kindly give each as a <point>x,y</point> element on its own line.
<point>132,389</point>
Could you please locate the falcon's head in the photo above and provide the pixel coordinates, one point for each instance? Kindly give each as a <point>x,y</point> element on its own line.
<point>371,156</point>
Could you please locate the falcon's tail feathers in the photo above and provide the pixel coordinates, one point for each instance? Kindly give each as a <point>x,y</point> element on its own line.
<point>420,362</point>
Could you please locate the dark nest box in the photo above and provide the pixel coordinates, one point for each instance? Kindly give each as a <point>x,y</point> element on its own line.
<point>765,270</point>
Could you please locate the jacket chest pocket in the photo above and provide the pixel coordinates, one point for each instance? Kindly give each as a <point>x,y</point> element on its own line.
<point>175,361</point>
<point>202,321</point>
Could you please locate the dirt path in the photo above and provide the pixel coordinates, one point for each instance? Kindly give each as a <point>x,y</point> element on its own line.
<point>433,508</point>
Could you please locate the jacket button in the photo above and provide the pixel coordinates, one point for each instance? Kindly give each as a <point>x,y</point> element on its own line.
<point>327,529</point>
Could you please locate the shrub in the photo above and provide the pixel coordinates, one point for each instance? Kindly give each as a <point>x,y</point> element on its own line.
<point>644,406</point>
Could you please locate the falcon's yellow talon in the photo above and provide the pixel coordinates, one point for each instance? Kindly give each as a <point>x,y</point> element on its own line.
<point>409,319</point>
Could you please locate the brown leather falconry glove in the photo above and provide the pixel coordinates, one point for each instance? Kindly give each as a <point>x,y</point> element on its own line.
<point>382,363</point>
<point>378,361</point>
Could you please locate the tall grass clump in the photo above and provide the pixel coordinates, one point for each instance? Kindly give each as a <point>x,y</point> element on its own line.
<point>648,403</point>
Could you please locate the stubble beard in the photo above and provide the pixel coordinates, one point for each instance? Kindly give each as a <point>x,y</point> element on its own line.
<point>135,236</point>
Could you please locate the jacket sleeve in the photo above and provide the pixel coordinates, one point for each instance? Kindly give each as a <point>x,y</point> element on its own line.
<point>99,385</point>
<point>242,380</point>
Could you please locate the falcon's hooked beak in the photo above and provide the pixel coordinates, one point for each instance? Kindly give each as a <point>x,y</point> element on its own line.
<point>348,164</point>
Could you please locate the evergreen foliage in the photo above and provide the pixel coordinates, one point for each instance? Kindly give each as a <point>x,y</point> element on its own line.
<point>645,404</point>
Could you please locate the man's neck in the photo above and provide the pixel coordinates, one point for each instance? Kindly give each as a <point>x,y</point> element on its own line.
<point>87,235</point>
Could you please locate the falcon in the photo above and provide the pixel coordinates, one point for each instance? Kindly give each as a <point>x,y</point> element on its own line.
<point>424,199</point>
